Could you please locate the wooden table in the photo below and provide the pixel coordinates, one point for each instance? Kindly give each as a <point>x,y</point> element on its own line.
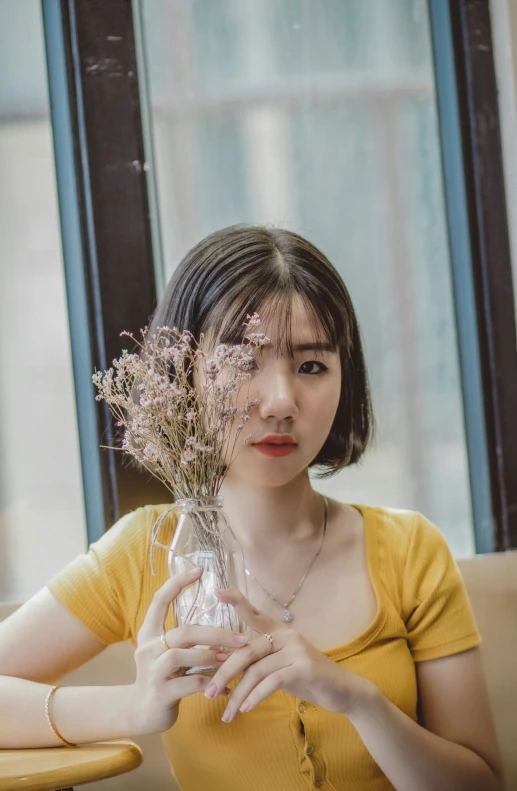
<point>52,768</point>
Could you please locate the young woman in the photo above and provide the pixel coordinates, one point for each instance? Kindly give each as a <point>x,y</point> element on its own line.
<point>374,683</point>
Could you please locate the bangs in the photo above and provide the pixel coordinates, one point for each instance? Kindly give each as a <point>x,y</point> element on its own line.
<point>225,324</point>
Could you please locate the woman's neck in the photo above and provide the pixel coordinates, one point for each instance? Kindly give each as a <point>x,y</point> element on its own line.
<point>269,517</point>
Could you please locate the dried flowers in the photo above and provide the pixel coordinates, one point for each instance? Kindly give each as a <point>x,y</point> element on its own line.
<point>176,406</point>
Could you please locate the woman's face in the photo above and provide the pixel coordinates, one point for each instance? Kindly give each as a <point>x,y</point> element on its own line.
<point>298,401</point>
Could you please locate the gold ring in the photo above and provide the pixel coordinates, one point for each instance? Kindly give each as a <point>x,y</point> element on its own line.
<point>164,643</point>
<point>268,637</point>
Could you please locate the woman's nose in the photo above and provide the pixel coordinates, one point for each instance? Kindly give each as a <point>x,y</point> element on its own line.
<point>277,397</point>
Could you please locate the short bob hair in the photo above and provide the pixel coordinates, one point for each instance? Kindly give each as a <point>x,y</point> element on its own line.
<point>245,269</point>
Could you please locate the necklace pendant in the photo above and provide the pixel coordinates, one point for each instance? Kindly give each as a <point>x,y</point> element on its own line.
<point>287,615</point>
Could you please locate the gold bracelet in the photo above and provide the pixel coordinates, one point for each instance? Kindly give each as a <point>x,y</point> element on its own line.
<point>54,729</point>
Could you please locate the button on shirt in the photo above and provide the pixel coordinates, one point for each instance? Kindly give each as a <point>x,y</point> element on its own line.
<point>312,765</point>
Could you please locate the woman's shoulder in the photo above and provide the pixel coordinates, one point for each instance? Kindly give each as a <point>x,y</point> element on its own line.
<point>402,522</point>
<point>141,520</point>
<point>143,514</point>
<point>402,531</point>
<point>102,586</point>
<point>414,551</point>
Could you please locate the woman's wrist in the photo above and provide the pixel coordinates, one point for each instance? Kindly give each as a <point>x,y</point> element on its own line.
<point>358,699</point>
<point>133,713</point>
<point>89,714</point>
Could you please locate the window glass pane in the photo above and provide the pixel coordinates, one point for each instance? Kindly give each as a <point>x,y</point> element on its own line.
<point>321,118</point>
<point>42,522</point>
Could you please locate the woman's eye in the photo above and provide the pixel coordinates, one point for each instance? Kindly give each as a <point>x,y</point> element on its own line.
<point>321,368</point>
<point>315,365</point>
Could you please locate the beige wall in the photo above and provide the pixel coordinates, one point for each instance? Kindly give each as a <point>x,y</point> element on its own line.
<point>42,520</point>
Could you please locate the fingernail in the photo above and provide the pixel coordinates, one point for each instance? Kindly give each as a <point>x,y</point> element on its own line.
<point>221,657</point>
<point>244,707</point>
<point>240,638</point>
<point>210,691</point>
<point>226,716</point>
<point>194,572</point>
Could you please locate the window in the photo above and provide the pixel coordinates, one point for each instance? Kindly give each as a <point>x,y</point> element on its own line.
<point>322,119</point>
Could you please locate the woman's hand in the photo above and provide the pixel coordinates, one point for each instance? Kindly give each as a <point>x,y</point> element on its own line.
<point>294,666</point>
<point>155,695</point>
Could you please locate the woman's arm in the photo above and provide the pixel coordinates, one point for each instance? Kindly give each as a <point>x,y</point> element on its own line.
<point>39,644</point>
<point>455,749</point>
<point>86,714</point>
<point>42,641</point>
<point>81,714</point>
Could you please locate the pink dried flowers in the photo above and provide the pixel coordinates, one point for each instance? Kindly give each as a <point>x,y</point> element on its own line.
<point>176,406</point>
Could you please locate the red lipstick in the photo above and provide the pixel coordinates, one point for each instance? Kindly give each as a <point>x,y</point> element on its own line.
<point>276,445</point>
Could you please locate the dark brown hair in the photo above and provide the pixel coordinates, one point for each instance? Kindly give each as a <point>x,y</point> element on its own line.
<point>245,269</point>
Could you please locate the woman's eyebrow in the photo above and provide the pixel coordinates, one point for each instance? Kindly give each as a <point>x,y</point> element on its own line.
<point>306,347</point>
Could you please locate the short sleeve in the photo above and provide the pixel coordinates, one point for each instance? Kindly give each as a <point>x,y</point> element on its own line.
<point>437,611</point>
<point>102,587</point>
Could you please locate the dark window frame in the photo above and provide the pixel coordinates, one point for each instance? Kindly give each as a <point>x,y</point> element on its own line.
<point>113,243</point>
<point>471,77</point>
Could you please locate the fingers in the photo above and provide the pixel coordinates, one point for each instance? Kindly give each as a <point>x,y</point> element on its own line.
<point>159,607</point>
<point>190,685</point>
<point>171,661</point>
<point>237,663</point>
<point>245,701</point>
<point>257,620</point>
<point>191,634</point>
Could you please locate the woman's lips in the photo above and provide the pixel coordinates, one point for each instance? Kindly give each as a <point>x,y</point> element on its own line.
<point>270,449</point>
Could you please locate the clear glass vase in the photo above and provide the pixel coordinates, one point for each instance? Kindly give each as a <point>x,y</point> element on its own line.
<point>203,537</point>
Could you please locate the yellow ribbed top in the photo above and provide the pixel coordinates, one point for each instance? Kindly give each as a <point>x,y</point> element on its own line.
<point>423,613</point>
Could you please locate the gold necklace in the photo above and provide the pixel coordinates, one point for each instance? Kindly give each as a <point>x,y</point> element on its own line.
<point>287,615</point>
